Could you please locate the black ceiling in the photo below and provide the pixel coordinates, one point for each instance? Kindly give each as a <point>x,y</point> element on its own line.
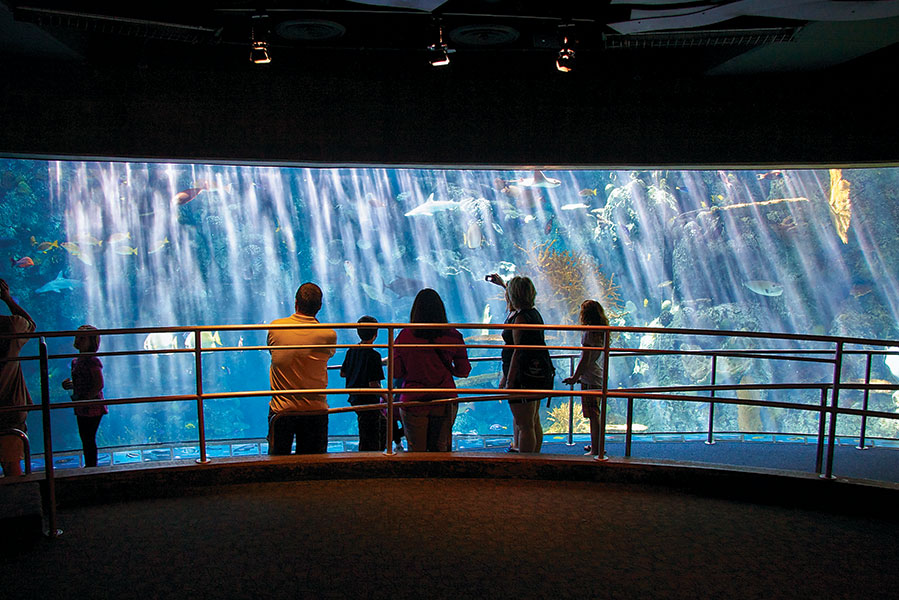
<point>498,37</point>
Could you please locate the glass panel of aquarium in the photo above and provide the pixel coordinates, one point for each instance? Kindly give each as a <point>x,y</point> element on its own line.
<point>127,244</point>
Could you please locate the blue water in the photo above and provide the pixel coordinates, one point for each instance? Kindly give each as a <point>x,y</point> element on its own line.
<point>185,244</point>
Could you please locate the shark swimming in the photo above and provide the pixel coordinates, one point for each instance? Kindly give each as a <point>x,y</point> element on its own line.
<point>432,206</point>
<point>58,285</point>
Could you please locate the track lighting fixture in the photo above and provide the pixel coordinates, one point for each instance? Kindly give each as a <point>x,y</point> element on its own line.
<point>565,60</point>
<point>259,32</point>
<point>438,54</point>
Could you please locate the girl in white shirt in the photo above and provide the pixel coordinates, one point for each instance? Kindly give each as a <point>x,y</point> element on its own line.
<point>589,369</point>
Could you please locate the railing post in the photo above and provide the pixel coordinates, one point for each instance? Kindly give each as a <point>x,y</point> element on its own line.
<point>834,403</point>
<point>711,439</point>
<point>201,422</point>
<point>861,436</point>
<point>819,452</point>
<point>629,431</point>
<point>388,449</point>
<point>601,438</point>
<point>571,404</point>
<point>52,530</point>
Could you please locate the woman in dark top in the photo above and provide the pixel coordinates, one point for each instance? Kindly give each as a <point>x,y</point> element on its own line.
<point>524,368</point>
<point>429,428</point>
<point>87,384</point>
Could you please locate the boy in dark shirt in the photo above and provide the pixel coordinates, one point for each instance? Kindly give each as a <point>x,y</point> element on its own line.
<point>362,368</point>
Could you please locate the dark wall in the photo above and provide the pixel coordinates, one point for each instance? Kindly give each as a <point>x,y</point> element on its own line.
<point>443,118</point>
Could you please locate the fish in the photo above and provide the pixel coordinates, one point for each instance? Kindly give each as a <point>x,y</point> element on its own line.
<point>47,246</point>
<point>208,339</point>
<point>666,283</point>
<point>22,263</point>
<point>537,180</point>
<point>185,196</point>
<point>84,257</point>
<point>892,361</point>
<point>160,341</point>
<point>350,269</point>
<point>529,218</point>
<point>124,250</point>
<point>58,285</point>
<point>486,380</point>
<point>190,426</point>
<point>859,290</point>
<point>504,188</point>
<point>549,225</point>
<point>497,427</point>
<point>497,228</point>
<point>507,267</point>
<point>645,302</point>
<point>118,237</point>
<point>403,286</point>
<point>486,317</point>
<point>432,206</point>
<point>473,238</point>
<point>574,206</point>
<point>375,201</point>
<point>71,247</point>
<point>375,294</point>
<point>764,287</point>
<point>788,223</point>
<point>588,192</point>
<point>840,204</point>
<point>490,337</point>
<point>770,175</point>
<point>159,246</point>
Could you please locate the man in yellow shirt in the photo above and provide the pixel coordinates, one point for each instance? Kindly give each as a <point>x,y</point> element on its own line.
<point>300,368</point>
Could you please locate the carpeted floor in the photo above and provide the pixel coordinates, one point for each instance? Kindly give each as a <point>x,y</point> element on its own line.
<point>454,538</point>
<point>877,464</point>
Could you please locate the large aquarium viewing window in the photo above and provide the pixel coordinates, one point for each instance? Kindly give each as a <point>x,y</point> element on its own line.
<point>119,244</point>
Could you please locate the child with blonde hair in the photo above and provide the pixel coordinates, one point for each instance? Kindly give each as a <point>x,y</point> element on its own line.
<point>589,368</point>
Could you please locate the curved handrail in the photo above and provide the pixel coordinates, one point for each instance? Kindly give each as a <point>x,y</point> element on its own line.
<point>688,393</point>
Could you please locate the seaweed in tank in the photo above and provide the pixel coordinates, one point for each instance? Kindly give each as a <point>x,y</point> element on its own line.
<point>557,420</point>
<point>572,277</point>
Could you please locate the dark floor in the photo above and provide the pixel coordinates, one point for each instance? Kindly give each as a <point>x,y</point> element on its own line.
<point>877,464</point>
<point>454,538</point>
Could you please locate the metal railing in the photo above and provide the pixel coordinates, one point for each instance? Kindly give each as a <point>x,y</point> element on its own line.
<point>708,394</point>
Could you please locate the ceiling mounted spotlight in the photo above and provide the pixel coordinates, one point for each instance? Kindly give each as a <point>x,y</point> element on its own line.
<point>439,53</point>
<point>565,60</point>
<point>259,32</point>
